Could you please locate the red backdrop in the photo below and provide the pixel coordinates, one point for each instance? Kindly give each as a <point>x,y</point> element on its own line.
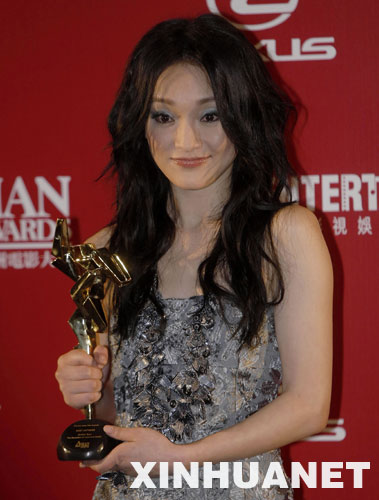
<point>61,66</point>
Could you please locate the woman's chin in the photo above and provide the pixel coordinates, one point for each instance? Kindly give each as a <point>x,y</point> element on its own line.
<point>189,186</point>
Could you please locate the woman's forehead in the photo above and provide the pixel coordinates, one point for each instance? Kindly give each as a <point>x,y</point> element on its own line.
<point>181,80</point>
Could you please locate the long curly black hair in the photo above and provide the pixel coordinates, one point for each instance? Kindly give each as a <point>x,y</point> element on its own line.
<point>253,112</point>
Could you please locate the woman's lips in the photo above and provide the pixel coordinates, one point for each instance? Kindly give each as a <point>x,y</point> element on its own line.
<point>190,162</point>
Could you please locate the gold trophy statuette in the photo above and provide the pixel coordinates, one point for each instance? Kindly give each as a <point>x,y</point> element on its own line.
<point>89,268</point>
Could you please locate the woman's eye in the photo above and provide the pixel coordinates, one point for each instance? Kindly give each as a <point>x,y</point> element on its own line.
<point>210,117</point>
<point>161,117</point>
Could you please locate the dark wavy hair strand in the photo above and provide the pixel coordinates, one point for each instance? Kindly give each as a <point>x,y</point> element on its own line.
<point>253,112</point>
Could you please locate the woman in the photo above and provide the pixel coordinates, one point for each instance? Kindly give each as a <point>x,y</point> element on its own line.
<point>232,286</point>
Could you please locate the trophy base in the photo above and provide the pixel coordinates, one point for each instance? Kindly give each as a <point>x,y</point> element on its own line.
<point>85,440</point>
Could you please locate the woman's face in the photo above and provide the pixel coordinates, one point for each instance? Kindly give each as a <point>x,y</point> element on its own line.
<point>184,132</point>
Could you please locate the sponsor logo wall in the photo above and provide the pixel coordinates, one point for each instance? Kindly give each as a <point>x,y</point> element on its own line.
<point>26,228</point>
<point>256,16</point>
<point>62,64</point>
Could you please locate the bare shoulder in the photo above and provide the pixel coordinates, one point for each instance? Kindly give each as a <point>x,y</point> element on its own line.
<point>101,238</point>
<point>295,222</point>
<point>299,242</point>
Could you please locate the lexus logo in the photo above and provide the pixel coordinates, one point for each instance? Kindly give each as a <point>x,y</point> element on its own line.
<point>254,16</point>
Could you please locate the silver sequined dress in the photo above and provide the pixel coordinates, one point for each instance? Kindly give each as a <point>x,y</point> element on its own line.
<point>191,382</point>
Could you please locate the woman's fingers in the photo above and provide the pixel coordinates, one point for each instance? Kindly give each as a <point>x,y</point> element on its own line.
<point>79,400</point>
<point>100,355</point>
<point>81,386</point>
<point>79,372</point>
<point>79,393</point>
<point>80,376</point>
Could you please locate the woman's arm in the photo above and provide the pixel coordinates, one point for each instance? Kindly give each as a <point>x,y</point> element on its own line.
<point>84,379</point>
<point>105,408</point>
<point>304,332</point>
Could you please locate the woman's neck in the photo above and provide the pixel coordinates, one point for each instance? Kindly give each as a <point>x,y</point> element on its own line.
<point>196,209</point>
<point>197,218</point>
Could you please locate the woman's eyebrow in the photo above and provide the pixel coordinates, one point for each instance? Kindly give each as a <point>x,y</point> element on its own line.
<point>170,101</point>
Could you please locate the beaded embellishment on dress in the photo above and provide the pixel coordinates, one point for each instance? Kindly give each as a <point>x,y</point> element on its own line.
<point>190,381</point>
<point>162,401</point>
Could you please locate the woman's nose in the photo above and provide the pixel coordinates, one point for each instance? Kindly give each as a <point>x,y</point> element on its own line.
<point>187,135</point>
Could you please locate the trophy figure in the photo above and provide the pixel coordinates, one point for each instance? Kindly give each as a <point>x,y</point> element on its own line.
<point>89,268</point>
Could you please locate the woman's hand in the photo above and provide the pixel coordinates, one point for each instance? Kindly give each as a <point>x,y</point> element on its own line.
<point>140,445</point>
<point>81,376</point>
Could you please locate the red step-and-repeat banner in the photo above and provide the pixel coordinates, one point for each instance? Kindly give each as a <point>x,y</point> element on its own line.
<point>61,65</point>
